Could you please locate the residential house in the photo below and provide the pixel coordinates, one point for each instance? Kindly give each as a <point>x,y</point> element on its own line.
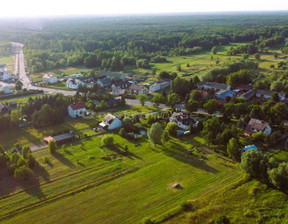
<point>138,89</point>
<point>117,91</point>
<point>61,139</point>
<point>49,79</point>
<point>248,95</point>
<point>104,82</point>
<point>162,84</point>
<point>121,84</point>
<point>114,75</point>
<point>266,94</point>
<point>222,94</point>
<point>250,147</point>
<point>3,109</point>
<point>76,110</point>
<point>74,83</point>
<point>4,74</point>
<point>183,120</point>
<point>5,89</point>
<point>244,87</point>
<point>113,103</point>
<point>255,126</point>
<point>111,122</point>
<point>213,86</point>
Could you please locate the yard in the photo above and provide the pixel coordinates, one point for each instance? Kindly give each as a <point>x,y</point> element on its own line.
<point>131,186</point>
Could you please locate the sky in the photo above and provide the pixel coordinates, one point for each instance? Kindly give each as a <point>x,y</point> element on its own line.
<point>36,8</point>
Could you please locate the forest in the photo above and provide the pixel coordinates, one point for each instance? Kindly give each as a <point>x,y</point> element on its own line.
<point>113,43</point>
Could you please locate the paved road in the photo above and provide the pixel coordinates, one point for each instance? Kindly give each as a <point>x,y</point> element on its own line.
<point>19,68</point>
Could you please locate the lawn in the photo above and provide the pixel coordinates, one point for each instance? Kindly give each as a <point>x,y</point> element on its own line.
<point>78,186</point>
<point>37,77</point>
<point>8,60</point>
<point>26,136</point>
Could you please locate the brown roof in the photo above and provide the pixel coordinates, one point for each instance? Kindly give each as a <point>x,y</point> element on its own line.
<point>256,124</point>
<point>77,106</point>
<point>244,87</point>
<point>136,87</point>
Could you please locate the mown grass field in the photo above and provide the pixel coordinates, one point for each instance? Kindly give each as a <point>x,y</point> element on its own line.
<point>77,186</point>
<point>37,77</point>
<point>8,60</point>
<point>244,202</point>
<point>29,135</point>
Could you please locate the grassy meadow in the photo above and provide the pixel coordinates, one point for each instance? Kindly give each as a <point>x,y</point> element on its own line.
<point>242,202</point>
<point>79,186</point>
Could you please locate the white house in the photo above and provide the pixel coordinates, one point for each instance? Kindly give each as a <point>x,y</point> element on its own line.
<point>213,86</point>
<point>162,84</point>
<point>111,122</point>
<point>49,79</point>
<point>76,110</point>
<point>255,126</point>
<point>74,83</point>
<point>183,120</point>
<point>5,89</point>
<point>139,89</point>
<point>117,91</point>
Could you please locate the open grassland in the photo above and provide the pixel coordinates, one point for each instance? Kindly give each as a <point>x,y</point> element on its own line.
<point>37,77</point>
<point>26,136</point>
<point>77,186</point>
<point>8,60</point>
<point>243,202</point>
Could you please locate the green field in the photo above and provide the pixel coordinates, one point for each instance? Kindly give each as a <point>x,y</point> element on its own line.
<point>29,135</point>
<point>77,186</point>
<point>244,202</point>
<point>8,60</point>
<point>37,77</point>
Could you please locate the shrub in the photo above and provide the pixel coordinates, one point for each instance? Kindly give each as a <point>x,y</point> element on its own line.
<point>46,160</point>
<point>52,146</point>
<point>107,140</point>
<point>222,220</point>
<point>21,173</point>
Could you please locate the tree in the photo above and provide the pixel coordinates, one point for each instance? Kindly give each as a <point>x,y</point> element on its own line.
<point>211,129</point>
<point>122,101</point>
<point>18,85</point>
<point>171,128</point>
<point>255,163</point>
<point>52,146</point>
<point>178,68</point>
<point>278,112</point>
<point>279,176</point>
<point>257,56</point>
<point>155,133</point>
<point>107,140</point>
<point>191,105</point>
<point>258,137</point>
<point>158,98</point>
<point>214,50</point>
<point>195,95</point>
<point>211,106</point>
<point>127,124</point>
<point>15,117</point>
<point>173,99</point>
<point>142,98</point>
<point>222,220</point>
<point>21,173</point>
<point>233,149</point>
<point>275,97</point>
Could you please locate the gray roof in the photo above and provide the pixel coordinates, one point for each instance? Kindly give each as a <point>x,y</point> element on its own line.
<point>214,85</point>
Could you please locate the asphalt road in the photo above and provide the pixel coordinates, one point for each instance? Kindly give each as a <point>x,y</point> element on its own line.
<point>19,68</point>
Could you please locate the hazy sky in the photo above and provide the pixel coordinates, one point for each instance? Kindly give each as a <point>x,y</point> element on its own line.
<point>19,8</point>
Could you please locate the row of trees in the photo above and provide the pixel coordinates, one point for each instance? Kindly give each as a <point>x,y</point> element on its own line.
<point>17,165</point>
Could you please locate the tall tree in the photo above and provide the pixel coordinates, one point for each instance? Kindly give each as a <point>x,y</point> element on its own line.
<point>233,149</point>
<point>142,98</point>
<point>155,133</point>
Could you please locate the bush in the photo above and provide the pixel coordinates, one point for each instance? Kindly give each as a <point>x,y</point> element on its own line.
<point>46,160</point>
<point>222,220</point>
<point>52,146</point>
<point>107,140</point>
<point>21,173</point>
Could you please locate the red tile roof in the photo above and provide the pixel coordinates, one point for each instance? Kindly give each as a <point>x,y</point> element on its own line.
<point>77,106</point>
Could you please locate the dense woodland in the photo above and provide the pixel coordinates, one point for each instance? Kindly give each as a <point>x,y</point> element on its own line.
<point>112,43</point>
